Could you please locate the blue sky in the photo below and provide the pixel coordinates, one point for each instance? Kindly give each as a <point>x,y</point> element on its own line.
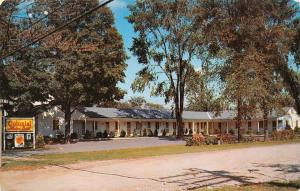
<point>120,10</point>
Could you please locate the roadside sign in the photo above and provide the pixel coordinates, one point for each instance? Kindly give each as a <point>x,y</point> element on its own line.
<point>19,133</point>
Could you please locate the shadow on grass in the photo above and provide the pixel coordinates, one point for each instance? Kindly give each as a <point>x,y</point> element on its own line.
<point>192,178</point>
<point>285,168</point>
<point>195,178</point>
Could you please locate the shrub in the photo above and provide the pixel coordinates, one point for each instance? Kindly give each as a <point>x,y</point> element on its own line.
<point>99,135</point>
<point>112,134</point>
<point>87,135</point>
<point>228,138</point>
<point>105,134</point>
<point>123,133</point>
<point>249,132</point>
<point>164,133</point>
<point>155,133</point>
<point>74,136</point>
<point>39,141</point>
<point>231,131</point>
<point>211,140</point>
<point>282,135</point>
<point>189,142</point>
<point>196,140</point>
<point>135,132</point>
<point>144,132</point>
<point>297,130</point>
<point>150,133</point>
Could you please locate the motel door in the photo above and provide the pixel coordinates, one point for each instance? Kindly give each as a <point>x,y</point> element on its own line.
<point>128,128</point>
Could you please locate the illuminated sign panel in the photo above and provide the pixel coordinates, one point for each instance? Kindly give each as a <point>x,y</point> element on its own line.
<point>19,125</point>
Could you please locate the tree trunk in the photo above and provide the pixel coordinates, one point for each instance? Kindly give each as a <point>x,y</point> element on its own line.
<point>68,115</point>
<point>239,119</point>
<point>266,126</point>
<point>238,126</point>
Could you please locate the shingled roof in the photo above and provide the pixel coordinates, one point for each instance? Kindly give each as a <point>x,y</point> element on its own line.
<point>99,112</point>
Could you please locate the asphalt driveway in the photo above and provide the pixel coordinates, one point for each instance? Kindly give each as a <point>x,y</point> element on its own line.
<point>117,143</point>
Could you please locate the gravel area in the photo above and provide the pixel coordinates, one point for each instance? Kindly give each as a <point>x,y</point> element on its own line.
<point>171,172</point>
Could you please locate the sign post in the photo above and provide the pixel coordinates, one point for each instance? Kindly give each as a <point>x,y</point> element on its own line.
<point>1,127</point>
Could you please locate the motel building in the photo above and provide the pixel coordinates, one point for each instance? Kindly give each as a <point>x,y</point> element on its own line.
<point>137,121</point>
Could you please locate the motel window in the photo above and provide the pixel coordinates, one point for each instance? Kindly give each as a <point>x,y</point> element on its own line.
<point>55,124</point>
<point>107,126</point>
<point>274,124</point>
<point>249,124</point>
<point>220,125</point>
<point>190,125</point>
<point>96,125</point>
<point>261,124</point>
<point>149,125</point>
<point>116,126</point>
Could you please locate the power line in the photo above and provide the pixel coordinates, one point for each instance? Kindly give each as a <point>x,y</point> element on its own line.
<point>57,29</point>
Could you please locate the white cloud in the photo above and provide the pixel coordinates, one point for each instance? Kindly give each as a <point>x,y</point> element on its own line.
<point>298,1</point>
<point>117,4</point>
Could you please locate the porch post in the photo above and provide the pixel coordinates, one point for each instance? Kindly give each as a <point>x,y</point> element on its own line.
<point>94,128</point>
<point>227,127</point>
<point>193,126</point>
<point>118,127</point>
<point>276,124</point>
<point>207,132</point>
<point>84,126</point>
<point>258,126</point>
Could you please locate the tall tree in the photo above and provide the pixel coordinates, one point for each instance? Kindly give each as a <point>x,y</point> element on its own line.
<point>80,65</point>
<point>253,34</point>
<point>167,42</point>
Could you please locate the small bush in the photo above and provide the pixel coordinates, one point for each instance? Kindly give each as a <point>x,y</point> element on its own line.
<point>123,133</point>
<point>74,136</point>
<point>87,135</point>
<point>210,140</point>
<point>228,138</point>
<point>283,135</point>
<point>297,130</point>
<point>112,134</point>
<point>135,132</point>
<point>99,135</point>
<point>196,140</point>
<point>39,141</point>
<point>164,133</point>
<point>231,131</point>
<point>249,132</point>
<point>150,133</point>
<point>105,134</point>
<point>144,132</point>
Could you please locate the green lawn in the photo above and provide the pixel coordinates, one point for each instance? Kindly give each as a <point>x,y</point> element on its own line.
<point>36,161</point>
<point>270,186</point>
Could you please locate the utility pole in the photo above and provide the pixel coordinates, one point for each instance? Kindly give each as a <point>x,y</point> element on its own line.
<point>1,129</point>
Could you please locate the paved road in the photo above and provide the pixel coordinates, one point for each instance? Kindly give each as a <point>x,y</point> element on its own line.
<point>172,172</point>
<point>117,143</point>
